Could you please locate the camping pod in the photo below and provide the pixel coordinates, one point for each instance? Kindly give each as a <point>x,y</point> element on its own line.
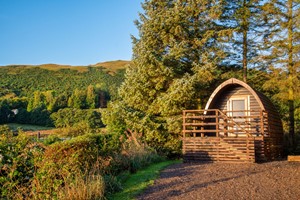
<point>238,124</point>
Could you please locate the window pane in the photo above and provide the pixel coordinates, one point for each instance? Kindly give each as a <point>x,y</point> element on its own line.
<point>238,105</point>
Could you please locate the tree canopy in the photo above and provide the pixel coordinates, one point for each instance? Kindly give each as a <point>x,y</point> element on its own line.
<point>184,49</point>
<point>177,53</point>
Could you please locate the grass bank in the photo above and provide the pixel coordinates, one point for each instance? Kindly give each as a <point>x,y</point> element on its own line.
<point>27,127</point>
<point>136,183</point>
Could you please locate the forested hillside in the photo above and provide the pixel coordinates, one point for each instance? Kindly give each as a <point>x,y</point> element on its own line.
<point>35,92</point>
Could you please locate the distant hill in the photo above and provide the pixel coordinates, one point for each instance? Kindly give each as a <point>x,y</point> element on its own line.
<point>111,66</point>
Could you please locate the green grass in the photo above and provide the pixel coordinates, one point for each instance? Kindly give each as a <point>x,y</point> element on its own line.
<point>136,183</point>
<point>27,127</point>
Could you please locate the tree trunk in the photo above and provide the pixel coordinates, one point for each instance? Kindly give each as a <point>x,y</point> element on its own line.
<point>291,74</point>
<point>245,50</point>
<point>245,28</point>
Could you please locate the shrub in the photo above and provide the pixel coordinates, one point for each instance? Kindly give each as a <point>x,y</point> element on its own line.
<point>5,113</point>
<point>79,129</point>
<point>40,116</point>
<point>70,117</point>
<point>65,163</point>
<point>83,167</point>
<point>92,187</point>
<point>51,139</point>
<point>17,158</point>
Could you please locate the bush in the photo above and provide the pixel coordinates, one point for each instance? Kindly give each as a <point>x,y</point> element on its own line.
<point>51,139</point>
<point>23,116</point>
<point>79,129</point>
<point>83,167</point>
<point>70,117</point>
<point>92,187</point>
<point>17,158</point>
<point>40,116</point>
<point>65,164</point>
<point>5,113</point>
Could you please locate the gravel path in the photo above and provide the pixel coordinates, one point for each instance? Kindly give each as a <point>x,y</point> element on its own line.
<point>272,180</point>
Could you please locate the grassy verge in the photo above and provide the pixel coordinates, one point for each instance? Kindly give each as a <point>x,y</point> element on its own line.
<point>136,183</point>
<point>27,127</point>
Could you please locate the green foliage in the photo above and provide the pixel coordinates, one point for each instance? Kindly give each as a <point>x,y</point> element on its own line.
<point>27,127</point>
<point>66,162</point>
<point>281,43</point>
<point>54,90</point>
<point>63,161</point>
<point>114,117</point>
<point>69,117</point>
<point>23,116</point>
<point>78,99</point>
<point>168,69</point>
<point>23,81</point>
<point>87,166</point>
<point>40,116</point>
<point>186,48</point>
<point>79,129</point>
<point>244,18</point>
<point>15,102</point>
<point>91,98</point>
<point>17,156</point>
<point>90,187</point>
<point>51,139</point>
<point>5,113</point>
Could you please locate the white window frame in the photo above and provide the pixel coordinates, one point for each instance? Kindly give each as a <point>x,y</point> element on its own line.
<point>247,104</point>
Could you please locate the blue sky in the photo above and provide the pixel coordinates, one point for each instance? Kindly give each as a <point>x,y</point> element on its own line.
<point>75,32</point>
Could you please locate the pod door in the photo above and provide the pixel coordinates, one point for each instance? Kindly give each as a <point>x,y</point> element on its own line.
<point>238,110</point>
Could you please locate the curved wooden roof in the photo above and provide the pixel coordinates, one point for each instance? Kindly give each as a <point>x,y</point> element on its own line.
<point>230,82</point>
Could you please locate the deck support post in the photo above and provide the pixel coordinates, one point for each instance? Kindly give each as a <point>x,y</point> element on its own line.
<point>194,128</point>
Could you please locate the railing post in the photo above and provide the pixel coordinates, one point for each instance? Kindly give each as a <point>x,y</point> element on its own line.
<point>217,123</point>
<point>218,149</point>
<point>202,126</point>
<point>262,123</point>
<point>194,128</point>
<point>183,123</point>
<point>225,125</point>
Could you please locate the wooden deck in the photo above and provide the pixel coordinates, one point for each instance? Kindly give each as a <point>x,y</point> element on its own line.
<point>219,149</point>
<point>212,135</point>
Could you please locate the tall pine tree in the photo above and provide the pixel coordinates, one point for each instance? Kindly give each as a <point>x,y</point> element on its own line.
<point>177,52</point>
<point>282,46</point>
<point>245,19</point>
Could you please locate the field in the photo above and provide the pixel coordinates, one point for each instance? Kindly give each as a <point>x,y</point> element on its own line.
<point>27,127</point>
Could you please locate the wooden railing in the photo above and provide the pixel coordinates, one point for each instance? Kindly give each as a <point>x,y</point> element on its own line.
<point>216,123</point>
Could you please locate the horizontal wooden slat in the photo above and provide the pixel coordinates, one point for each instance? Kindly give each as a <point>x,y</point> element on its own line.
<point>219,149</point>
